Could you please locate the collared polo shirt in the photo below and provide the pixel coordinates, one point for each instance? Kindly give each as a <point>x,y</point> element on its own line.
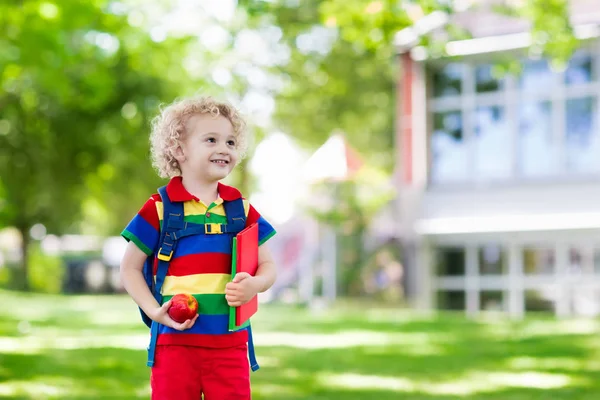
<point>201,264</point>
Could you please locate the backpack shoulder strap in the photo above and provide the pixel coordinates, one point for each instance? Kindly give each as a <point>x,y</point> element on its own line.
<point>172,222</point>
<point>236,215</point>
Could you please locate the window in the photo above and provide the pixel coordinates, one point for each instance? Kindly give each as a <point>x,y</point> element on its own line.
<point>450,262</point>
<point>537,150</point>
<point>582,141</point>
<point>576,262</point>
<point>536,125</point>
<point>492,143</point>
<point>451,300</point>
<point>486,79</point>
<point>448,80</point>
<point>536,76</point>
<point>448,147</point>
<point>492,260</point>
<point>542,300</point>
<point>579,70</point>
<point>478,276</point>
<point>492,300</point>
<point>538,261</point>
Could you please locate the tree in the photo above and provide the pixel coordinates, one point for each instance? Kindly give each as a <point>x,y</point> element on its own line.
<point>77,84</point>
<point>348,207</point>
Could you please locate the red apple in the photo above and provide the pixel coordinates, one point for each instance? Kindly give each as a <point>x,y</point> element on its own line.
<point>183,307</point>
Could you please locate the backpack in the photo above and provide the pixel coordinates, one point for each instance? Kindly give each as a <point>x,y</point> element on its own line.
<point>173,228</point>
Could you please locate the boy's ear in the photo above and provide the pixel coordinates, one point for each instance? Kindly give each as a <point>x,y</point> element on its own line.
<point>178,154</point>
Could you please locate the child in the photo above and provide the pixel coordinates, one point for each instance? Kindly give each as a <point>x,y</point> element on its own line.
<point>197,142</point>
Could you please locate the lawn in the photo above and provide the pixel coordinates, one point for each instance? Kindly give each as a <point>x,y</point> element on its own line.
<point>92,347</point>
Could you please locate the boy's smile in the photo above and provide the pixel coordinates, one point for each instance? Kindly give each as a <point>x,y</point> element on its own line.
<point>208,151</point>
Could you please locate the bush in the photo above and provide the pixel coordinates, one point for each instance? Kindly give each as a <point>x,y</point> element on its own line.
<point>46,272</point>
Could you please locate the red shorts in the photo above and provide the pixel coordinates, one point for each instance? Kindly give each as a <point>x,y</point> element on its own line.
<point>187,372</point>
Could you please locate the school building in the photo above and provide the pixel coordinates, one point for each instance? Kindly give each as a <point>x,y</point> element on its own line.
<point>499,176</point>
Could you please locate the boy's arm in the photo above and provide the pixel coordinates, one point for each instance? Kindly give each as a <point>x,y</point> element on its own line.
<point>133,280</point>
<point>266,273</point>
<point>244,286</point>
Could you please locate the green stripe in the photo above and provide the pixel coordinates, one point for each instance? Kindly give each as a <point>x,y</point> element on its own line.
<point>209,304</point>
<point>130,236</point>
<point>269,236</point>
<point>201,219</point>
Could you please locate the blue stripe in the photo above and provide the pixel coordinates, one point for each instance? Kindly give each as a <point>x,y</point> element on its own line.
<point>205,324</point>
<point>265,229</point>
<point>144,232</point>
<point>199,244</point>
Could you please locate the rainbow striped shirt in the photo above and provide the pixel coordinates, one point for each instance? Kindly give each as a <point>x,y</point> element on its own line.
<point>201,264</point>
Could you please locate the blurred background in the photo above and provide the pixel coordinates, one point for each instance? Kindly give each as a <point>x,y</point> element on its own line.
<point>430,166</point>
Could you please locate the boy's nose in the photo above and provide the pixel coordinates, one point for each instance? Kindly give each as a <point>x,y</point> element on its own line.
<point>222,149</point>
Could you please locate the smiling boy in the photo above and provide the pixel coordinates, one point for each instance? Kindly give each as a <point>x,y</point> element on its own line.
<point>197,142</point>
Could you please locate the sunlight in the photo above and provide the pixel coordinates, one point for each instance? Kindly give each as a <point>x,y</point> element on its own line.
<point>35,390</point>
<point>370,382</point>
<point>271,362</point>
<point>387,315</point>
<point>144,391</point>
<point>110,317</point>
<point>567,364</point>
<point>45,386</point>
<point>278,188</point>
<point>34,345</point>
<point>410,343</point>
<point>561,327</point>
<point>346,339</point>
<point>290,373</point>
<point>529,379</point>
<point>271,389</point>
<point>473,383</point>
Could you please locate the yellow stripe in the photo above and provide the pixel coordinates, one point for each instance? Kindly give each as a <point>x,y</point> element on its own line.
<point>195,208</point>
<point>246,206</point>
<point>196,284</point>
<point>159,210</point>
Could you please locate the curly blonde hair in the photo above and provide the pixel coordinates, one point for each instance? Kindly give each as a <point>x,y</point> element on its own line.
<point>168,129</point>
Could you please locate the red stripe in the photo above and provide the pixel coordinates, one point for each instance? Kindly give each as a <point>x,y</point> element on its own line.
<point>214,341</point>
<point>253,216</point>
<point>204,263</point>
<point>148,212</point>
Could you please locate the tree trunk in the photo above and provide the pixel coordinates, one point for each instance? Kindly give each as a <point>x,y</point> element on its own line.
<point>23,278</point>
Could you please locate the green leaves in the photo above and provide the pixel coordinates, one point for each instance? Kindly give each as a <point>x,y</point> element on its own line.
<point>551,31</point>
<point>78,85</point>
<point>371,24</point>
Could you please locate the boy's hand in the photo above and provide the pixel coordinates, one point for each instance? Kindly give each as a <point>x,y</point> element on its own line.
<point>243,287</point>
<point>161,316</point>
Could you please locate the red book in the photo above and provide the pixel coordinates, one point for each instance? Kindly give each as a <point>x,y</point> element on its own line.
<point>244,258</point>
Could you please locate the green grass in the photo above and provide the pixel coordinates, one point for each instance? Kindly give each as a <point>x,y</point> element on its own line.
<point>92,347</point>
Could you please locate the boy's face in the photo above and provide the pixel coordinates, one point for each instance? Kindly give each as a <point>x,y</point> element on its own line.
<point>208,151</point>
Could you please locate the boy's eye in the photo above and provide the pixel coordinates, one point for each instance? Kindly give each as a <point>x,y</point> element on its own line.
<point>231,142</point>
<point>211,140</point>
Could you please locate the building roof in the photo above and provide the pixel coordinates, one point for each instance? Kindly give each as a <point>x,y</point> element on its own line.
<point>482,19</point>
